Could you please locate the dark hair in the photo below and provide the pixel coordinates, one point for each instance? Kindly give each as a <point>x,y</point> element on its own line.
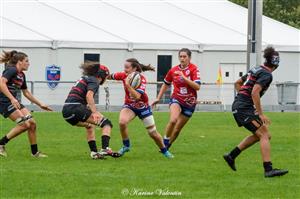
<point>269,52</point>
<point>186,50</point>
<point>90,68</point>
<point>12,57</point>
<point>140,67</point>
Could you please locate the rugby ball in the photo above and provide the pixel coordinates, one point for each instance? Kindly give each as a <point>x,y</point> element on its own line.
<point>134,79</point>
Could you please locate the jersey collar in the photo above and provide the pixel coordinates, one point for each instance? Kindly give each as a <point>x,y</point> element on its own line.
<point>267,68</point>
<point>180,68</point>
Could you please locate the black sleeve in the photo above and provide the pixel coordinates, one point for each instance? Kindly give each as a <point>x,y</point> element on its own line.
<point>9,72</point>
<point>264,79</point>
<point>92,84</point>
<point>244,77</point>
<point>24,85</point>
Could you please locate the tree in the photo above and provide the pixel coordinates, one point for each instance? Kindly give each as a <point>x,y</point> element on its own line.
<point>285,11</point>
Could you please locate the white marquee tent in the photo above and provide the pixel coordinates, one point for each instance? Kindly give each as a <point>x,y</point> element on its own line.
<point>135,24</point>
<point>61,32</point>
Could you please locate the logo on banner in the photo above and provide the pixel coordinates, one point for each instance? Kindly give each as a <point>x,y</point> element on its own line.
<point>53,74</point>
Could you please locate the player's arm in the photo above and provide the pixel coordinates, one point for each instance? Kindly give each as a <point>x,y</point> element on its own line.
<point>34,100</point>
<point>257,103</point>
<point>91,104</point>
<point>238,84</point>
<point>90,100</point>
<point>133,93</point>
<point>4,89</point>
<point>189,82</point>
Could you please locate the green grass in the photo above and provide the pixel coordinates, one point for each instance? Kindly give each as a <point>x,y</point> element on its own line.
<point>198,170</point>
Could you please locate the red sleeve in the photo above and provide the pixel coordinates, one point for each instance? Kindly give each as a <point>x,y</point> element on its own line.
<point>195,76</point>
<point>141,89</point>
<point>169,77</point>
<point>119,76</point>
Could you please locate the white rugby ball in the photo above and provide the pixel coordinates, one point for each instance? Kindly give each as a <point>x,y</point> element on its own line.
<point>134,79</point>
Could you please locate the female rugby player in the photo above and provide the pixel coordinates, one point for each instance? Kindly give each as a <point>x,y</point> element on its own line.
<point>136,104</point>
<point>185,78</point>
<point>80,109</point>
<point>12,81</point>
<point>248,112</point>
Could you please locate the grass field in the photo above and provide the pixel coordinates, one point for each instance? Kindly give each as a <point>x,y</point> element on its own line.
<point>198,170</point>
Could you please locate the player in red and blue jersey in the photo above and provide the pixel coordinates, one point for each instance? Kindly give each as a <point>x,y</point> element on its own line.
<point>185,78</point>
<point>13,81</point>
<point>247,111</point>
<point>136,104</point>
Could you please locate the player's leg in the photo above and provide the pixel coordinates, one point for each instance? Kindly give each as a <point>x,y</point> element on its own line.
<point>32,137</point>
<point>18,117</point>
<point>181,121</point>
<point>149,124</point>
<point>126,115</point>
<point>253,125</point>
<point>175,111</point>
<point>265,148</point>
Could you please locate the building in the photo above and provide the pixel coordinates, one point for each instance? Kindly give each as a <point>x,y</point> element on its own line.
<point>66,33</point>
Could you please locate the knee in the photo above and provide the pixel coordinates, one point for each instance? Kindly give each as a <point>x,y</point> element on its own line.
<point>123,123</point>
<point>25,126</point>
<point>32,124</point>
<point>173,121</point>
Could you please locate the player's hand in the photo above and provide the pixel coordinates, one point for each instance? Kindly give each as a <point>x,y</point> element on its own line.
<point>154,103</point>
<point>15,103</point>
<point>46,107</point>
<point>127,82</point>
<point>265,120</point>
<point>180,73</point>
<point>97,117</point>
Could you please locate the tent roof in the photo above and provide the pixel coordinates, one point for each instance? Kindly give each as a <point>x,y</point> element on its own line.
<point>145,24</point>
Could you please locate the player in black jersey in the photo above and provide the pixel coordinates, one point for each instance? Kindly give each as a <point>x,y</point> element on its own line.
<point>248,113</point>
<point>80,109</point>
<point>12,81</point>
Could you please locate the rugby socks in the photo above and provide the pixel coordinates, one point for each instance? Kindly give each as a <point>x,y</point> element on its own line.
<point>166,141</point>
<point>105,141</point>
<point>126,142</point>
<point>92,145</point>
<point>163,150</point>
<point>268,166</point>
<point>34,149</point>
<point>235,152</point>
<point>4,140</point>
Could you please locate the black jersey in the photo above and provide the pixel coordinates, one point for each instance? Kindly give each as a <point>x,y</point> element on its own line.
<point>258,75</point>
<point>80,89</point>
<point>15,81</point>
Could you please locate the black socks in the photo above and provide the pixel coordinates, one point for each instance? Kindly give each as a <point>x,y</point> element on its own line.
<point>93,146</point>
<point>105,141</point>
<point>34,149</point>
<point>235,152</point>
<point>268,166</point>
<point>4,140</point>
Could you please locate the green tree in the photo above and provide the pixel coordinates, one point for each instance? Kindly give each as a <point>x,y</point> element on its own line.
<point>285,11</point>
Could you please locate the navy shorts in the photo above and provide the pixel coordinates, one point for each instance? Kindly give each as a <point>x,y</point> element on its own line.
<point>6,108</point>
<point>245,117</point>
<point>186,111</point>
<point>74,113</point>
<point>141,113</point>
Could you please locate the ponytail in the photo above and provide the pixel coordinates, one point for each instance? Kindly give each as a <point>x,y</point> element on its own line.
<point>139,66</point>
<point>12,57</point>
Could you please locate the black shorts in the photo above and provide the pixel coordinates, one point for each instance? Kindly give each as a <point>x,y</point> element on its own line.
<point>6,108</point>
<point>245,117</point>
<point>74,113</point>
